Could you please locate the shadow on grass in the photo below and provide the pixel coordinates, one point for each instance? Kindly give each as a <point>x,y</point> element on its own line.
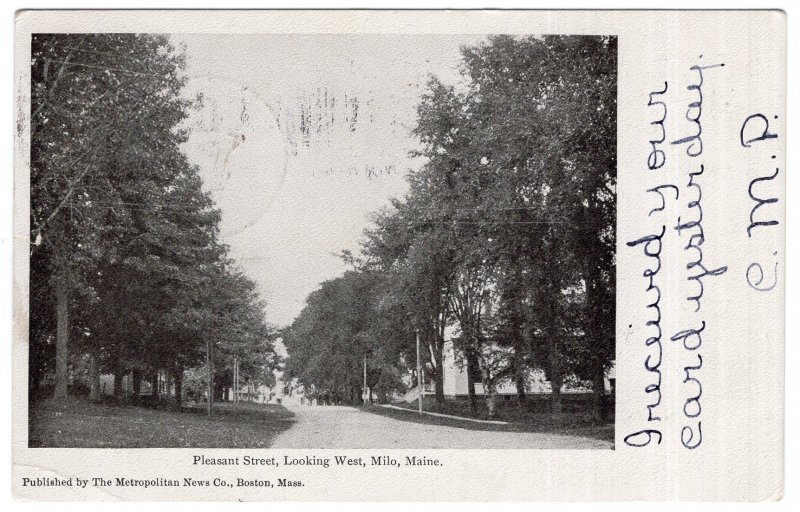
<point>523,421</point>
<point>76,423</point>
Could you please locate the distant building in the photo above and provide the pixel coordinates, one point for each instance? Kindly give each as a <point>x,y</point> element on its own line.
<point>456,382</point>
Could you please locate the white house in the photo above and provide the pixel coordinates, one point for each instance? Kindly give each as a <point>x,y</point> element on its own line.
<point>456,382</point>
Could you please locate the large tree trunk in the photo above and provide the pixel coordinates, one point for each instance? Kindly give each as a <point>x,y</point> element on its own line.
<point>94,377</point>
<point>517,341</point>
<point>489,393</point>
<point>210,377</point>
<point>137,384</point>
<point>119,374</point>
<point>439,385</point>
<point>599,395</point>
<point>438,370</point>
<point>519,381</point>
<point>154,385</point>
<point>472,368</point>
<point>556,404</point>
<point>552,289</point>
<point>519,367</point>
<point>62,339</point>
<point>599,331</point>
<point>556,379</point>
<point>178,387</point>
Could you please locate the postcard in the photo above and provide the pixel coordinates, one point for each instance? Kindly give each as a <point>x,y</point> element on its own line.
<point>398,255</point>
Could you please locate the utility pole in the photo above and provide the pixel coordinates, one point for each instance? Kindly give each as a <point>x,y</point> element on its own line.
<point>364,394</point>
<point>210,376</point>
<point>235,379</point>
<point>419,374</point>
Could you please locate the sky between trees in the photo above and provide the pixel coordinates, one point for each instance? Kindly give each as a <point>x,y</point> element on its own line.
<point>300,138</point>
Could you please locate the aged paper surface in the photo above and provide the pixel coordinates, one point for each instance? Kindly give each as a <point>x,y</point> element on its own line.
<point>696,373</point>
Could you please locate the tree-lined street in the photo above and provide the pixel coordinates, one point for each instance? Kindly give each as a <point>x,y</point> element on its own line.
<point>497,262</point>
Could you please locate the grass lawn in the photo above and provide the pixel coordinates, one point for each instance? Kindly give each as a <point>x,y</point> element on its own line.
<point>519,419</point>
<point>75,423</point>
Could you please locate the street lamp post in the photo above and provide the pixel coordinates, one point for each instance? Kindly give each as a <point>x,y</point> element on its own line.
<point>419,375</point>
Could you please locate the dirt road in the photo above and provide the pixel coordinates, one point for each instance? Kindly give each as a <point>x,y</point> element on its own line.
<point>348,427</point>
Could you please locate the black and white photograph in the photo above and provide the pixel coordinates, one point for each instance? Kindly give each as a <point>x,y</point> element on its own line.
<point>322,241</point>
<point>402,256</point>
